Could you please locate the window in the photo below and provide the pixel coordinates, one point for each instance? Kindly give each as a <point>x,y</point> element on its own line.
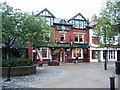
<point>62,36</point>
<point>105,52</point>
<point>45,52</point>
<point>79,38</point>
<point>119,40</point>
<point>49,20</point>
<point>95,40</point>
<point>113,39</point>
<point>95,54</point>
<point>111,54</point>
<point>76,38</point>
<point>79,24</point>
<point>78,52</point>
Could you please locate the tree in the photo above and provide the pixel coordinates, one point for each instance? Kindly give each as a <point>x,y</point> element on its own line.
<point>19,26</point>
<point>107,24</point>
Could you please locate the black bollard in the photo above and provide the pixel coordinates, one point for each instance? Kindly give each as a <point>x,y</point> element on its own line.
<point>9,69</point>
<point>112,82</point>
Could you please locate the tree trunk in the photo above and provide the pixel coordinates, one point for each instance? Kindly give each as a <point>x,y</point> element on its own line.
<point>8,52</point>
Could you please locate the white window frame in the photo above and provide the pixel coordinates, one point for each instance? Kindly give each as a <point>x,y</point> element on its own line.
<point>47,53</point>
<point>73,50</point>
<point>78,35</point>
<point>63,36</point>
<point>82,38</point>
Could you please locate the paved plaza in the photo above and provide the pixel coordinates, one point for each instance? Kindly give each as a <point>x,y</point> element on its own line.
<point>67,75</point>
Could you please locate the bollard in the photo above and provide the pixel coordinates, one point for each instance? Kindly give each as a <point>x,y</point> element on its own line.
<point>112,82</point>
<point>9,69</point>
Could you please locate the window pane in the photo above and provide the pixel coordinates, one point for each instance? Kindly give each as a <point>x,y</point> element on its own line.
<point>81,38</point>
<point>62,37</point>
<point>77,24</point>
<point>76,37</point>
<point>44,52</point>
<point>77,53</point>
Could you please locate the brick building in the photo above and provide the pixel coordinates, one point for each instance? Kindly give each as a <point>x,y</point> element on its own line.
<point>71,38</point>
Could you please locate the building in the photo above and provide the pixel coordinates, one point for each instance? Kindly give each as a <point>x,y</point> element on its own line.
<point>98,54</point>
<point>74,40</point>
<point>18,49</point>
<point>71,38</point>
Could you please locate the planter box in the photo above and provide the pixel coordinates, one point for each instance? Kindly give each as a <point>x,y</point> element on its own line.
<point>53,63</point>
<point>19,71</point>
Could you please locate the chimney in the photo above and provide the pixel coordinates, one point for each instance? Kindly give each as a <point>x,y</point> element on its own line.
<point>93,18</point>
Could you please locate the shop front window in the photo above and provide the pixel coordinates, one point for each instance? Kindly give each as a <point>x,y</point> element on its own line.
<point>45,52</point>
<point>111,54</point>
<point>78,52</point>
<point>95,54</point>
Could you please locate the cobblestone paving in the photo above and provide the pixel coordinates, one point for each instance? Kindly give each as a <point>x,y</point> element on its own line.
<point>42,74</point>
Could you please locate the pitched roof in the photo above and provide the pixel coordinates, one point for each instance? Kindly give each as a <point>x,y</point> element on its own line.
<point>46,11</point>
<point>79,14</point>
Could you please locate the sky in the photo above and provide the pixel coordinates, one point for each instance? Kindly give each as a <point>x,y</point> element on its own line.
<point>65,9</point>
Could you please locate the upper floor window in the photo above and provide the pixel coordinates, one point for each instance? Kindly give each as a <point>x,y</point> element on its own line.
<point>79,38</point>
<point>119,40</point>
<point>95,40</point>
<point>49,20</point>
<point>62,38</point>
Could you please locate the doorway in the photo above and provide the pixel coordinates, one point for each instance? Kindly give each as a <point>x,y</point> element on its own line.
<point>61,55</point>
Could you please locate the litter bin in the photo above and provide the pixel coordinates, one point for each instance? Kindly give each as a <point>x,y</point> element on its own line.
<point>117,64</point>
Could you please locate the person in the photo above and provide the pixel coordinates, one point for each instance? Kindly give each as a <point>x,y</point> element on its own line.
<point>76,60</point>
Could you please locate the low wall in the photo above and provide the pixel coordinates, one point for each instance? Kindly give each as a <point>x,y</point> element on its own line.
<point>19,71</point>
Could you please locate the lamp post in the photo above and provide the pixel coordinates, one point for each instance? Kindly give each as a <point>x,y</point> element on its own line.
<point>105,64</point>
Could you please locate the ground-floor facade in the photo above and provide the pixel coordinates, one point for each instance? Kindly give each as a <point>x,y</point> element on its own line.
<point>98,54</point>
<point>61,54</point>
<point>81,53</point>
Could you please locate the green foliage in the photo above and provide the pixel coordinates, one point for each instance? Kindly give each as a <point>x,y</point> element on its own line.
<point>17,62</point>
<point>107,24</point>
<point>36,30</point>
<point>24,27</point>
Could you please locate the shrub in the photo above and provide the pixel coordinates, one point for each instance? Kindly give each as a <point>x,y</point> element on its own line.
<point>17,62</point>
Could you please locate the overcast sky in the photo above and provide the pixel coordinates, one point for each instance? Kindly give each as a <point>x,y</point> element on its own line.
<point>60,8</point>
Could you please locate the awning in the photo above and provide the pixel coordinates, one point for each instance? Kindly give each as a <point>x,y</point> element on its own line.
<point>62,45</point>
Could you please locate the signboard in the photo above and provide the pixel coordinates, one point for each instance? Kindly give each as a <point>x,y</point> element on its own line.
<point>63,28</point>
<point>39,55</point>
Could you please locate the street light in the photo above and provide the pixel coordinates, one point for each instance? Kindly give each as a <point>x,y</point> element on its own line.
<point>105,64</point>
